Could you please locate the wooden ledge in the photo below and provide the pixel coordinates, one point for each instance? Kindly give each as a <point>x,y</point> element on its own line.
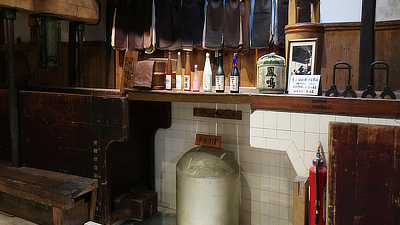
<point>376,107</point>
<point>189,96</point>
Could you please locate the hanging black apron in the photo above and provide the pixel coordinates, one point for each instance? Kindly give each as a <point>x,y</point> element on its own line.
<point>192,22</point>
<point>232,24</point>
<point>260,33</point>
<point>214,26</point>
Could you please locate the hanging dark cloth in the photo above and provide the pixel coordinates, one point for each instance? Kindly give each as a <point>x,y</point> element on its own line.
<point>163,24</point>
<point>214,26</point>
<point>282,14</point>
<point>120,26</point>
<point>132,24</point>
<point>245,11</point>
<point>139,23</point>
<point>232,24</point>
<point>192,22</point>
<point>176,25</point>
<point>260,33</point>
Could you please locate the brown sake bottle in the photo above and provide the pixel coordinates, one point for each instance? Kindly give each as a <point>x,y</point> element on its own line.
<point>188,72</point>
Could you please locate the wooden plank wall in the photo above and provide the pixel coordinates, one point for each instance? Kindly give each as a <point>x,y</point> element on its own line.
<point>342,43</point>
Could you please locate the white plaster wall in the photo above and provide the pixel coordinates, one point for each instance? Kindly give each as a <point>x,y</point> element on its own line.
<point>265,143</point>
<point>336,11</point>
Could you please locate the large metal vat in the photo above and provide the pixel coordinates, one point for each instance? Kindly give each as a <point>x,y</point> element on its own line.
<point>207,187</point>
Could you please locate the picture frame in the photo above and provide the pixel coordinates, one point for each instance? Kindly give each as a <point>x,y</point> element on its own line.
<point>302,57</point>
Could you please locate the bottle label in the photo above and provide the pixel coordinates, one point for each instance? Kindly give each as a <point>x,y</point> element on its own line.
<point>206,83</point>
<point>186,84</point>
<point>168,82</point>
<point>178,82</point>
<point>234,83</point>
<point>219,83</point>
<point>196,86</point>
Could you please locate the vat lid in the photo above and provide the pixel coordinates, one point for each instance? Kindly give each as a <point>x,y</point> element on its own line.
<point>203,162</point>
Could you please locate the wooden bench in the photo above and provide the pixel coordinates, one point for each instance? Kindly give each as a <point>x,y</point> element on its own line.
<point>47,197</point>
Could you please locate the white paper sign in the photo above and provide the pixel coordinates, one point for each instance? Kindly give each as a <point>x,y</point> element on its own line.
<point>304,84</point>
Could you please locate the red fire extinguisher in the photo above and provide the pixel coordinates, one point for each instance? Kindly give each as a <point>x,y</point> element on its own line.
<point>317,191</point>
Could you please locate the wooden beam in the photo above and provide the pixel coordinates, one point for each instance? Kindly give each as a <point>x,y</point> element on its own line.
<point>367,43</point>
<point>78,10</point>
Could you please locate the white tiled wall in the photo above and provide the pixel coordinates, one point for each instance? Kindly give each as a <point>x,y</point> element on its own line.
<point>298,133</point>
<point>271,147</point>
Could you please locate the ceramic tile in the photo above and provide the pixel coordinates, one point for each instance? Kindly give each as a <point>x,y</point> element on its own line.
<point>284,160</point>
<point>264,183</point>
<point>311,123</point>
<point>275,159</point>
<point>343,119</point>
<point>264,208</point>
<point>264,219</point>
<point>256,119</point>
<point>283,121</point>
<point>377,121</point>
<point>311,141</point>
<point>324,123</point>
<point>270,118</point>
<point>272,144</point>
<point>255,219</point>
<point>256,157</point>
<point>256,169</point>
<point>283,134</point>
<point>274,186</point>
<point>297,121</point>
<point>245,217</point>
<point>392,122</point>
<point>283,212</point>
<point>255,205</point>
<point>256,132</point>
<point>274,211</point>
<point>265,158</point>
<point>358,119</point>
<point>270,133</point>
<point>273,220</point>
<point>257,142</point>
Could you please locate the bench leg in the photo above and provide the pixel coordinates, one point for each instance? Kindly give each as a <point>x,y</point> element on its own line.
<point>92,209</point>
<point>57,216</point>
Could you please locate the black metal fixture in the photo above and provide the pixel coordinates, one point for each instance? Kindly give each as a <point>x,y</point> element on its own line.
<point>48,32</point>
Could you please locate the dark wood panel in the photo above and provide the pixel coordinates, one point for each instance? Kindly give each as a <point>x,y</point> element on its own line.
<point>364,177</point>
<point>54,107</point>
<point>328,105</point>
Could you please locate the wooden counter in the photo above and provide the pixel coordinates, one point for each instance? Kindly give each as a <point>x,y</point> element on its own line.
<point>377,107</point>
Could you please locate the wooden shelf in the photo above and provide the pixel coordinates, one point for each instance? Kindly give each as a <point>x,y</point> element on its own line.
<point>188,96</point>
<point>387,108</point>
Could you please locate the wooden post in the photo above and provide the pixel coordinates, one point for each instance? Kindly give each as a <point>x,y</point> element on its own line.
<point>367,43</point>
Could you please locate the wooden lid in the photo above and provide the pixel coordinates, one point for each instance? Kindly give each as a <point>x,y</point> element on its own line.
<point>305,27</point>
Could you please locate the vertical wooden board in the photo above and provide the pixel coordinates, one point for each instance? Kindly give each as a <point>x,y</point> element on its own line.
<point>352,53</point>
<point>126,80</point>
<point>396,168</point>
<point>370,192</point>
<point>340,55</point>
<point>373,188</point>
<point>341,172</point>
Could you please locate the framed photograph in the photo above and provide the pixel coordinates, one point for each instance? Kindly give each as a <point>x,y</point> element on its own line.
<point>302,57</point>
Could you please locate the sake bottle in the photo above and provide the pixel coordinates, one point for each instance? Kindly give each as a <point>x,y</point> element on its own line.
<point>220,75</point>
<point>168,74</point>
<point>234,79</point>
<point>196,83</point>
<point>179,73</point>
<point>188,72</point>
<point>207,75</point>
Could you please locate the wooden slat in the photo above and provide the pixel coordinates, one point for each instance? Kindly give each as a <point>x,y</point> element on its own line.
<point>76,10</point>
<point>364,178</point>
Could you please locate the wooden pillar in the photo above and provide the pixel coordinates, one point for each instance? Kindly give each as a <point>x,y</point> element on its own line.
<point>10,15</point>
<point>367,42</point>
